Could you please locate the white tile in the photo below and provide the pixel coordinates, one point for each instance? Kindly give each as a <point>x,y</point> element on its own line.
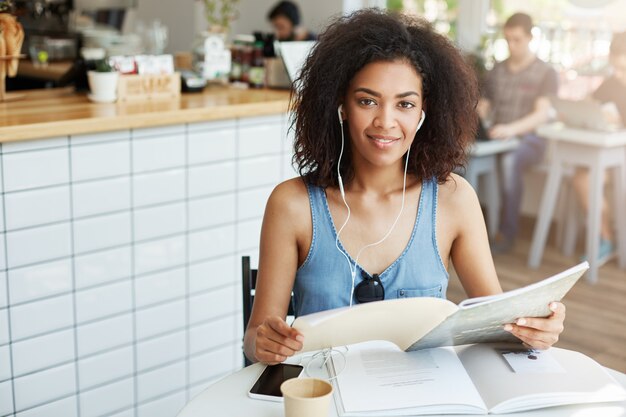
<point>249,235</point>
<point>153,384</point>
<point>5,363</point>
<point>32,208</point>
<point>43,352</point>
<point>212,304</point>
<point>289,170</point>
<point>105,334</point>
<point>33,145</point>
<point>3,258</point>
<point>4,326</point>
<point>159,187</point>
<point>127,413</point>
<point>98,197</point>
<point>91,138</point>
<point>213,334</point>
<point>2,228</point>
<point>160,254</point>
<point>65,407</point>
<point>106,367</point>
<point>35,169</point>
<point>162,350</point>
<point>211,211</point>
<point>158,153</point>
<point>41,280</point>
<point>100,160</point>
<point>102,232</point>
<point>3,289</point>
<point>213,364</point>
<point>39,244</point>
<point>6,398</point>
<point>212,179</point>
<point>260,137</point>
<point>41,317</point>
<point>102,267</point>
<point>159,221</point>
<point>203,127</point>
<point>163,407</point>
<point>159,287</point>
<point>104,301</point>
<point>211,243</point>
<point>197,389</point>
<point>252,202</point>
<point>167,130</point>
<point>258,171</point>
<point>161,319</point>
<point>212,145</point>
<point>42,387</point>
<point>213,273</point>
<point>107,399</point>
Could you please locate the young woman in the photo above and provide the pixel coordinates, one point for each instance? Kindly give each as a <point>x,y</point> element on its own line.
<point>384,112</point>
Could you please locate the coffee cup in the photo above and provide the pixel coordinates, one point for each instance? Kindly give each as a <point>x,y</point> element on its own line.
<point>306,397</point>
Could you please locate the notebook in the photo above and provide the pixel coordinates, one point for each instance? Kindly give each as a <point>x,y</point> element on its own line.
<point>583,114</point>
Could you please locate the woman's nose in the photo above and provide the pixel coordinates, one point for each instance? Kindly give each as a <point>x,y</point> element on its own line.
<point>385,118</point>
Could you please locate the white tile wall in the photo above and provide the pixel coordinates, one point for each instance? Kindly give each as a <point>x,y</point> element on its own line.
<point>65,407</point>
<point>32,208</point>
<point>39,244</point>
<point>33,145</point>
<point>169,130</point>
<point>41,316</point>
<point>217,363</point>
<point>107,399</point>
<point>43,352</point>
<point>160,350</point>
<point>158,153</point>
<point>6,398</point>
<point>32,282</point>
<point>212,179</point>
<point>211,243</point>
<point>260,136</point>
<point>211,304</point>
<point>91,138</point>
<point>212,211</point>
<point>248,234</point>
<point>4,326</point>
<point>127,413</point>
<point>159,187</point>
<point>212,145</point>
<point>107,367</point>
<point>163,407</point>
<point>102,232</point>
<point>44,386</point>
<point>259,171</point>
<point>252,202</point>
<point>160,319</point>
<point>3,289</point>
<point>159,221</point>
<point>160,254</point>
<point>104,301</point>
<point>105,334</point>
<point>215,333</point>
<point>5,363</point>
<point>214,273</point>
<point>95,197</point>
<point>101,267</point>
<point>19,172</point>
<point>155,288</point>
<point>161,381</point>
<point>100,160</point>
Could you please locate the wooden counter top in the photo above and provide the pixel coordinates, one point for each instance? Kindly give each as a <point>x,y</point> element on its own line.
<point>62,112</point>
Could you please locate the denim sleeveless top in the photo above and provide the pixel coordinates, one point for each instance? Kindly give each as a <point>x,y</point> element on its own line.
<point>324,280</point>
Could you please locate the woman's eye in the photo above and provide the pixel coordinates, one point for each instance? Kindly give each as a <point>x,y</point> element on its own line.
<point>406,105</point>
<point>366,102</point>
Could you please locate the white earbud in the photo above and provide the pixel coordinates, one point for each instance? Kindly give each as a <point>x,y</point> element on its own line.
<point>420,122</point>
<point>340,180</point>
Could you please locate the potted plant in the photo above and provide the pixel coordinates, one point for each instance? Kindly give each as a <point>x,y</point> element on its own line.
<point>103,82</point>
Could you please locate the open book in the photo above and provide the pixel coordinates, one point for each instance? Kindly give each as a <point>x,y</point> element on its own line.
<point>424,322</point>
<point>378,379</point>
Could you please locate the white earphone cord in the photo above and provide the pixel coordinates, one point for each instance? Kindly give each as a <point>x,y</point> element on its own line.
<point>343,196</point>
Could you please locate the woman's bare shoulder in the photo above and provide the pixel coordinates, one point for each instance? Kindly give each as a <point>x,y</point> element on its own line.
<point>289,198</point>
<point>456,192</point>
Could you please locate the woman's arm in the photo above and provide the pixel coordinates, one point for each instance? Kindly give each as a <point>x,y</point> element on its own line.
<point>268,338</point>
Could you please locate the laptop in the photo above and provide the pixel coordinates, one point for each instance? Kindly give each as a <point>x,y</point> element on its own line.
<point>294,54</point>
<point>582,114</point>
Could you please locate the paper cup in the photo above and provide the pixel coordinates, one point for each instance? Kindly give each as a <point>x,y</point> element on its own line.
<point>306,397</point>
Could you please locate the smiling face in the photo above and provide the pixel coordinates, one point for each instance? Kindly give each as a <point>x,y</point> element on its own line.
<point>383,106</point>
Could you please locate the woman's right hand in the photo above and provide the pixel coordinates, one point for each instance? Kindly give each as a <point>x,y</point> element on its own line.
<point>276,341</point>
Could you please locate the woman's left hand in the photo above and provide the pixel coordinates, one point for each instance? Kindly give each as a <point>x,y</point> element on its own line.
<point>540,333</point>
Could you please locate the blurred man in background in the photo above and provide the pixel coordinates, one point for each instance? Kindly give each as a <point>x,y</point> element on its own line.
<point>514,103</point>
<point>285,19</point>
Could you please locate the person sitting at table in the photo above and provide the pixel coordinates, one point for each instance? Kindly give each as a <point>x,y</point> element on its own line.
<point>515,101</point>
<point>612,91</point>
<point>382,119</point>
<point>285,19</point>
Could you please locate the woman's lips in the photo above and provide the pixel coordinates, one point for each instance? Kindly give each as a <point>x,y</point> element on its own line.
<point>383,141</point>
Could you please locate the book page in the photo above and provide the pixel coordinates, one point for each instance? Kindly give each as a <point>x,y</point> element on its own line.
<point>379,377</point>
<point>482,320</point>
<point>577,379</point>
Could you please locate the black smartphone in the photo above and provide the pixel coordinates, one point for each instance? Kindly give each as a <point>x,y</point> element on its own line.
<point>267,387</point>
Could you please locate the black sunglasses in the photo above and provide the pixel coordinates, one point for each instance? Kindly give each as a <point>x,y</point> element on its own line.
<point>370,289</point>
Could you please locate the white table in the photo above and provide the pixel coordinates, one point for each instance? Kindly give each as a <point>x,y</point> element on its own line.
<point>597,151</point>
<point>228,398</point>
<point>483,160</point>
